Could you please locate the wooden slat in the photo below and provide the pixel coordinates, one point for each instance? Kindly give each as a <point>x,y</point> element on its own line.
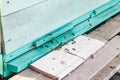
<point>106,31</point>
<point>117,18</point>
<point>83,46</point>
<point>57,64</point>
<point>92,66</point>
<point>109,70</point>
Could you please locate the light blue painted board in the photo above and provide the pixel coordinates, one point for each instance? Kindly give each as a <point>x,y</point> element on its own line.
<point>1,64</point>
<point>29,24</point>
<point>11,6</point>
<point>0,36</point>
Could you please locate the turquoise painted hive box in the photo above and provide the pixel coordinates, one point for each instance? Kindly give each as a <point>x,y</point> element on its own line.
<point>30,29</point>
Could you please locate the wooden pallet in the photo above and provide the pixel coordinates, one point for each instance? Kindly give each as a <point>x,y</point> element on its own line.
<point>105,61</point>
<point>59,63</point>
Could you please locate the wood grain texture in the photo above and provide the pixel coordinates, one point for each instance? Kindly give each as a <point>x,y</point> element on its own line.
<point>56,64</point>
<point>29,74</point>
<point>98,61</point>
<point>107,30</point>
<point>83,46</point>
<point>109,70</point>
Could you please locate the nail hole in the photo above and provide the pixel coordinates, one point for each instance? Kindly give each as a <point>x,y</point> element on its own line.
<point>8,2</point>
<point>11,56</point>
<point>9,40</point>
<point>53,58</point>
<point>65,37</point>
<point>62,62</point>
<point>118,48</point>
<point>90,25</point>
<point>53,68</point>
<point>73,34</point>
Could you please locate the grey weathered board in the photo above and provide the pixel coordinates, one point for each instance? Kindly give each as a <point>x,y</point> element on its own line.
<point>92,66</point>
<point>109,70</point>
<point>107,30</point>
<point>29,74</point>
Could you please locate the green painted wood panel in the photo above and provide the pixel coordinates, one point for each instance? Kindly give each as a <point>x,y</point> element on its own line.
<point>11,6</point>
<point>29,24</point>
<point>1,64</point>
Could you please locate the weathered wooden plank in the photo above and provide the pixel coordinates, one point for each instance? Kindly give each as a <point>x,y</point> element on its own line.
<point>117,18</point>
<point>83,46</point>
<point>57,64</point>
<point>29,74</point>
<point>106,31</point>
<point>92,66</point>
<point>109,70</point>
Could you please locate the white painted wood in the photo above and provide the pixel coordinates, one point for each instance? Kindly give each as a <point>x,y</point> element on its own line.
<point>57,64</point>
<point>93,65</point>
<point>31,23</point>
<point>83,46</point>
